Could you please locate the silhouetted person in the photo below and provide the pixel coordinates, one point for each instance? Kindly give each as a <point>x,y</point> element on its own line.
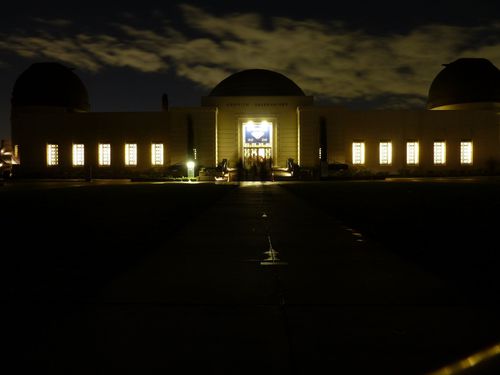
<point>253,171</point>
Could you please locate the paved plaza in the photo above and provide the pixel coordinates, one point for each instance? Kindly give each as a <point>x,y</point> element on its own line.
<point>247,278</point>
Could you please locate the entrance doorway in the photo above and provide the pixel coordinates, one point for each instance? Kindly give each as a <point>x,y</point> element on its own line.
<point>257,149</point>
<point>257,143</point>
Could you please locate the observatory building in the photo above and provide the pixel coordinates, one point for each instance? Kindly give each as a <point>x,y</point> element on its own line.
<point>257,116</point>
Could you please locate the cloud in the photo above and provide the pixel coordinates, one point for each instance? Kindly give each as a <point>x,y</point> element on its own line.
<point>51,48</point>
<point>327,60</point>
<point>110,51</point>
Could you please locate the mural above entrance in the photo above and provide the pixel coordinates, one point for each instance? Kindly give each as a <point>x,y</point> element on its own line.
<point>257,132</point>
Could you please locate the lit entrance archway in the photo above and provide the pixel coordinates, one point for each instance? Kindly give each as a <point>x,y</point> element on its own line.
<point>257,143</point>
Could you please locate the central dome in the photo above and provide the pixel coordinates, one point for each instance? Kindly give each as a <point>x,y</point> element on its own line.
<point>257,82</point>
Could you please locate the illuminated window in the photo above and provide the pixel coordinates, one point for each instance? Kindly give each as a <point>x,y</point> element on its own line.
<point>157,154</point>
<point>439,153</point>
<point>52,154</point>
<point>412,153</point>
<point>131,154</point>
<point>358,153</point>
<point>466,152</point>
<point>104,154</point>
<point>78,155</point>
<point>385,153</point>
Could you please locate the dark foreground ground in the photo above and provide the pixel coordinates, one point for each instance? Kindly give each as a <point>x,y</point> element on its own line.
<point>380,277</point>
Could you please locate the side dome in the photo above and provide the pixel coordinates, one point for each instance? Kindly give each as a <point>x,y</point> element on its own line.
<point>465,81</point>
<point>257,82</point>
<point>50,84</point>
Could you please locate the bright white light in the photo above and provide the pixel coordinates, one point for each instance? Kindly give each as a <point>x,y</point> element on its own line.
<point>131,154</point>
<point>250,125</point>
<point>412,153</point>
<point>190,169</point>
<point>466,152</point>
<point>358,152</point>
<point>157,154</point>
<point>439,153</point>
<point>104,154</point>
<point>78,155</point>
<point>385,153</point>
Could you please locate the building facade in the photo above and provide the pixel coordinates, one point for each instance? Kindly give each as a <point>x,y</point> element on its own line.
<point>257,116</point>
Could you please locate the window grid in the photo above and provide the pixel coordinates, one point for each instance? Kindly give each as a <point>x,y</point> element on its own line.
<point>439,153</point>
<point>385,153</point>
<point>466,152</point>
<point>412,153</point>
<point>157,154</point>
<point>104,154</point>
<point>52,154</point>
<point>358,153</point>
<point>78,155</point>
<point>131,154</point>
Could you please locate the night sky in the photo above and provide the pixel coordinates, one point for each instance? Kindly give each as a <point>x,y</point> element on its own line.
<point>361,54</point>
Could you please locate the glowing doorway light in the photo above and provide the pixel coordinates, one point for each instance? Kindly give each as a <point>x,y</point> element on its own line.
<point>52,154</point>
<point>412,153</point>
<point>439,153</point>
<point>157,154</point>
<point>385,153</point>
<point>104,154</point>
<point>358,152</point>
<point>466,152</point>
<point>78,155</point>
<point>257,133</point>
<point>131,154</point>
<point>257,139</point>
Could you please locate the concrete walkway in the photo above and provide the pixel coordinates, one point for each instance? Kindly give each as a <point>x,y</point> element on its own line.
<point>206,302</point>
